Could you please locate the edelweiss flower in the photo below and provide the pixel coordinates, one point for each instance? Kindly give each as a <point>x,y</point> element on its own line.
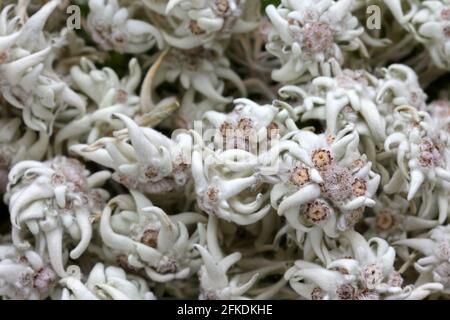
<point>429,23</point>
<point>142,236</point>
<point>200,70</point>
<point>422,157</point>
<point>149,162</point>
<point>346,98</point>
<point>309,37</point>
<point>324,182</point>
<point>24,275</point>
<point>110,283</point>
<point>399,86</point>
<point>228,185</point>
<point>440,112</point>
<point>393,220</point>
<point>435,265</point>
<point>48,200</point>
<point>249,126</point>
<point>368,275</point>
<point>111,27</point>
<point>109,94</point>
<point>205,22</point>
<point>214,282</point>
<point>26,79</point>
<point>18,143</point>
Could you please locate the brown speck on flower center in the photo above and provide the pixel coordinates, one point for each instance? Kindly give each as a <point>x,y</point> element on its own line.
<point>441,106</point>
<point>127,181</point>
<point>4,161</point>
<point>122,260</point>
<point>121,96</point>
<point>150,238</point>
<point>359,187</point>
<point>96,200</point>
<point>340,270</point>
<point>44,279</point>
<point>212,193</point>
<point>384,220</point>
<point>180,163</point>
<point>195,28</point>
<point>443,270</point>
<point>431,152</point>
<point>69,205</point>
<point>58,178</point>
<point>395,279</point>
<point>221,6</point>
<point>120,38</point>
<point>366,294</point>
<point>272,126</point>
<point>345,292</point>
<point>207,295</point>
<point>100,26</point>
<point>443,250</point>
<point>151,172</point>
<point>316,294</point>
<point>299,175</point>
<point>245,125</point>
<point>357,164</point>
<point>427,144</point>
<point>168,266</point>
<point>73,172</point>
<point>316,211</point>
<point>321,158</point>
<point>414,96</point>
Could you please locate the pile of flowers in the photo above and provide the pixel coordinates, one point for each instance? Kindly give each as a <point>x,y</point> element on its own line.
<point>222,149</point>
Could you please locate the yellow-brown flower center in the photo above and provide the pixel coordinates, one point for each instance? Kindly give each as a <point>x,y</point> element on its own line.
<point>357,164</point>
<point>151,172</point>
<point>321,158</point>
<point>317,211</point>
<point>150,238</point>
<point>245,125</point>
<point>316,294</point>
<point>330,139</point>
<point>299,176</point>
